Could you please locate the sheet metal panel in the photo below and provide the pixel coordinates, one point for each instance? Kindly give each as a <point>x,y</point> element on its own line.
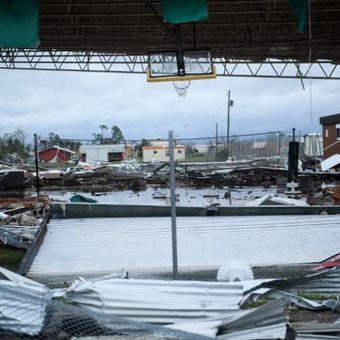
<point>156,301</point>
<point>103,245</point>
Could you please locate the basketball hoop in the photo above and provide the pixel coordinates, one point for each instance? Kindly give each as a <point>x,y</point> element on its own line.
<point>181,87</point>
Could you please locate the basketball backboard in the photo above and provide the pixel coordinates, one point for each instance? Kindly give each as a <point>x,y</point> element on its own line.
<point>165,66</point>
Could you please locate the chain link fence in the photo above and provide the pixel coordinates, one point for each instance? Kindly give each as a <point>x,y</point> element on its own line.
<point>271,146</point>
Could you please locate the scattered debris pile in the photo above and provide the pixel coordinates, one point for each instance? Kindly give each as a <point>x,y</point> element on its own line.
<point>29,202</point>
<point>18,228</point>
<point>20,220</point>
<point>305,307</point>
<point>326,196</point>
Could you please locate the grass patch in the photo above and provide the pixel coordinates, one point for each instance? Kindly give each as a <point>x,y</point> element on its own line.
<point>10,258</point>
<point>259,302</point>
<point>317,296</point>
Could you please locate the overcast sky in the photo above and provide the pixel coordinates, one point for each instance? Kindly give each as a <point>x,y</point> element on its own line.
<point>73,105</point>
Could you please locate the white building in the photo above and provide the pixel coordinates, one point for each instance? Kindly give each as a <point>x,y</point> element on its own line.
<point>158,151</point>
<point>102,153</point>
<point>313,144</point>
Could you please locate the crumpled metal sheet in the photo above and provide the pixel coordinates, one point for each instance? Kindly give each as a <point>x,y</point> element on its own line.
<point>9,279</point>
<point>296,300</point>
<point>24,315</point>
<point>265,322</point>
<point>325,282</point>
<point>316,337</point>
<point>22,303</point>
<point>155,301</point>
<point>21,312</point>
<point>320,328</point>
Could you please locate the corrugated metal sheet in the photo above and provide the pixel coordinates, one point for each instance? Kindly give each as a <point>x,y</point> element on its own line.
<point>265,322</point>
<point>25,316</point>
<point>156,301</point>
<point>20,311</point>
<point>87,246</point>
<point>22,303</point>
<point>316,337</point>
<point>316,327</point>
<point>325,282</point>
<point>274,332</point>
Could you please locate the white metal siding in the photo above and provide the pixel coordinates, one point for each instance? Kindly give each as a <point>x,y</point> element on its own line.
<point>100,152</point>
<point>81,246</point>
<point>161,154</point>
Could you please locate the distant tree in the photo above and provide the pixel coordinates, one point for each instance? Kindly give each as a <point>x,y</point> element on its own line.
<point>144,142</point>
<point>97,138</point>
<point>54,139</point>
<point>12,145</point>
<point>116,135</point>
<point>103,128</point>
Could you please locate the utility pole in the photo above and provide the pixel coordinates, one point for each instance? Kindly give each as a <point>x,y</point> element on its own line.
<point>230,103</point>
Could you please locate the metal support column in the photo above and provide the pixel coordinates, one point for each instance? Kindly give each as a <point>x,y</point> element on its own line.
<point>228,125</point>
<point>173,204</point>
<point>36,163</point>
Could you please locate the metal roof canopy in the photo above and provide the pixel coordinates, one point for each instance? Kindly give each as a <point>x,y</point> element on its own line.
<point>240,31</point>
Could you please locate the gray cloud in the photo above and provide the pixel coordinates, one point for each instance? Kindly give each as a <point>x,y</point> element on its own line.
<point>75,104</point>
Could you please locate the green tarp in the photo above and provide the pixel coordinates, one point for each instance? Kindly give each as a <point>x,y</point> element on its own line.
<point>80,199</point>
<point>300,10</point>
<point>180,11</point>
<point>19,23</point>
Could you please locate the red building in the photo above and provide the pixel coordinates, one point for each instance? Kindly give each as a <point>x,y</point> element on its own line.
<point>331,135</point>
<point>55,154</point>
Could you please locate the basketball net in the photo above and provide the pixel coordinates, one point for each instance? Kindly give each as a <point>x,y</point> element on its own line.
<point>181,87</point>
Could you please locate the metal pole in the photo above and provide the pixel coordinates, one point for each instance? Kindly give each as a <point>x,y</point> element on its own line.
<point>228,124</point>
<point>216,141</point>
<point>173,204</point>
<point>280,145</point>
<point>36,163</point>
<point>180,59</point>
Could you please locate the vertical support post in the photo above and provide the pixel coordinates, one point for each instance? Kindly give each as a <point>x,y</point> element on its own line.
<point>279,145</point>
<point>173,204</point>
<point>180,59</point>
<point>36,163</point>
<point>228,124</point>
<point>216,141</point>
